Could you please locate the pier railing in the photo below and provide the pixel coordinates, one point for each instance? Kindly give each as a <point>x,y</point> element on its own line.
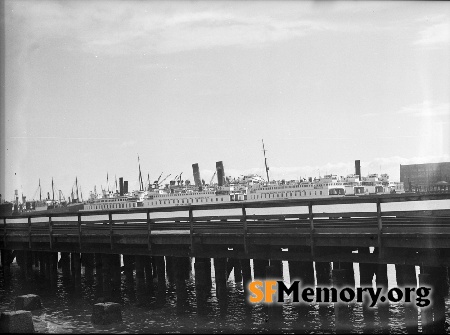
<point>147,228</point>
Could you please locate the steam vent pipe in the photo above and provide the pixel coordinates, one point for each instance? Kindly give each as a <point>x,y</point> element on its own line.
<point>358,168</point>
<point>196,171</point>
<point>220,173</point>
<point>125,186</point>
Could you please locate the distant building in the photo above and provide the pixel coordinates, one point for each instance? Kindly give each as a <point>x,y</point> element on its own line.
<point>429,177</point>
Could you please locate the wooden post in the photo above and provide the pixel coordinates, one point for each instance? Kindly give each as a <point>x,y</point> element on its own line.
<point>29,232</point>
<point>4,232</point>
<point>246,275</point>
<point>116,273</point>
<point>110,230</point>
<point>65,264</point>
<point>244,220</point>
<point>79,231</point>
<point>311,228</point>
<point>128,263</point>
<point>406,277</point>
<point>380,231</point>
<point>383,307</point>
<point>53,259</point>
<point>201,285</point>
<point>191,230</point>
<point>259,268</point>
<point>77,268</point>
<point>426,313</point>
<point>140,279</point>
<point>221,282</point>
<point>275,310</point>
<point>180,283</point>
<point>88,266</point>
<point>161,275</point>
<point>148,273</point>
<point>106,277</point>
<point>99,269</point>
<point>50,231</point>
<point>340,308</point>
<point>149,232</point>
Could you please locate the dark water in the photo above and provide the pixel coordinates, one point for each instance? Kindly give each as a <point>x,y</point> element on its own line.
<point>67,310</point>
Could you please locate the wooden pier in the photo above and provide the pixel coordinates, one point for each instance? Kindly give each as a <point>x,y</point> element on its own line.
<point>156,241</point>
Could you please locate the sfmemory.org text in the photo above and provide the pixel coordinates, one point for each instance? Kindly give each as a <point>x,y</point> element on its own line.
<point>264,291</point>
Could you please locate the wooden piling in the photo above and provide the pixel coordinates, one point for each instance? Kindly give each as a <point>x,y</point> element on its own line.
<point>259,268</point>
<point>161,277</point>
<point>53,268</point>
<point>41,264</point>
<point>65,264</point>
<point>77,268</point>
<point>106,276</point>
<point>99,269</point>
<point>201,286</point>
<point>170,265</point>
<point>383,307</point>
<point>221,282</point>
<point>88,266</point>
<point>341,309</point>
<point>275,309</point>
<point>140,278</point>
<point>180,281</point>
<point>128,264</point>
<point>208,277</point>
<point>246,275</point>
<point>148,274</point>
<point>406,277</point>
<point>437,280</point>
<point>426,313</point>
<point>116,273</point>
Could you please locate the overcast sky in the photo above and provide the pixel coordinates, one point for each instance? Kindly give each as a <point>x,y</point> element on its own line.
<point>92,84</point>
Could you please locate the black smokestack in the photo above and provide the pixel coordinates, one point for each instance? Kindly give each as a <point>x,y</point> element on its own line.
<point>220,173</point>
<point>358,168</point>
<point>197,179</point>
<point>121,185</point>
<point>125,186</point>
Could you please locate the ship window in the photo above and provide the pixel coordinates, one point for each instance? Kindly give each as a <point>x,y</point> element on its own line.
<point>320,192</point>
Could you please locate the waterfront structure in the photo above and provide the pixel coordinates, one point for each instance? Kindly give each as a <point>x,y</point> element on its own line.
<point>428,177</point>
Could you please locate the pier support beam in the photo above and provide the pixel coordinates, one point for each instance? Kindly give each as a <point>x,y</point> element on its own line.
<point>99,269</point>
<point>433,316</point>
<point>246,275</point>
<point>221,282</point>
<point>116,273</point>
<point>201,285</point>
<point>208,279</point>
<point>181,265</point>
<point>140,279</point>
<point>341,309</point>
<point>366,273</point>
<point>88,260</point>
<point>128,264</point>
<point>161,276</point>
<point>406,277</point>
<point>274,310</point>
<point>148,274</point>
<point>65,264</point>
<point>106,275</point>
<point>77,268</point>
<point>259,268</point>
<point>53,268</point>
<point>383,307</point>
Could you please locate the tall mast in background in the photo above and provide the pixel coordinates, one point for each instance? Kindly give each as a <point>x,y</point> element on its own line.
<point>265,162</point>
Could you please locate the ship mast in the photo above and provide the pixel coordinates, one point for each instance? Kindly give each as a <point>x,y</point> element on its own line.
<point>53,191</point>
<point>76,185</point>
<point>40,190</point>
<point>265,162</point>
<point>141,185</point>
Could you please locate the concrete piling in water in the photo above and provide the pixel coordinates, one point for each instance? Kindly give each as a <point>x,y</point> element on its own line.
<point>221,282</point>
<point>106,313</point>
<point>406,277</point>
<point>16,322</point>
<point>28,302</point>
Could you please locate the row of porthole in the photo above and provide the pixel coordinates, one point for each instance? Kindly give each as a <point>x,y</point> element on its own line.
<point>182,201</point>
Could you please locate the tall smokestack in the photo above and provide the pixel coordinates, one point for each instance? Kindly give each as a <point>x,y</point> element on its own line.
<point>121,185</point>
<point>220,173</point>
<point>196,172</point>
<point>125,186</point>
<point>358,168</point>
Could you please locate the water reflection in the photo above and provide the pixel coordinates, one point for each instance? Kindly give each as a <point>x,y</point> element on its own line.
<point>68,309</point>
